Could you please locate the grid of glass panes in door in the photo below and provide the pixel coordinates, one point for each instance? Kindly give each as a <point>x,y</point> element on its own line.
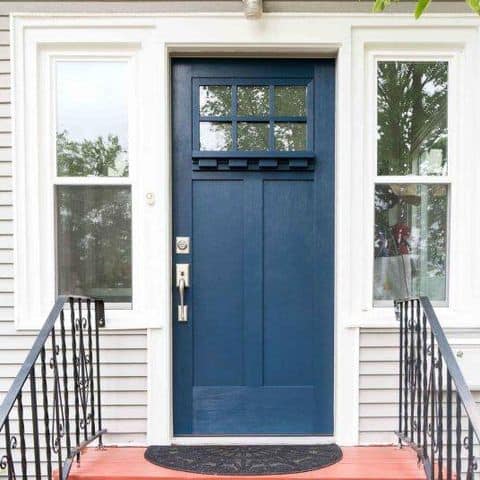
<point>92,183</point>
<point>412,183</point>
<point>253,118</point>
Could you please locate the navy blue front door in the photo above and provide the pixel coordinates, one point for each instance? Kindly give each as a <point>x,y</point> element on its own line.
<point>253,165</point>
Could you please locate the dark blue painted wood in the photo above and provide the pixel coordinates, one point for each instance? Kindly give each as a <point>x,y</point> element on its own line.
<point>218,277</point>
<point>256,356</point>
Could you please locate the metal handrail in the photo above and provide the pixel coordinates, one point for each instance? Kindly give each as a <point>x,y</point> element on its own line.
<point>452,366</point>
<point>80,362</point>
<point>434,397</point>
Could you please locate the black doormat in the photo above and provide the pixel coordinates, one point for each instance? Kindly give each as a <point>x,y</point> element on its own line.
<point>245,459</point>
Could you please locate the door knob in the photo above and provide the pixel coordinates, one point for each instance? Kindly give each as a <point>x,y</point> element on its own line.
<point>183,282</point>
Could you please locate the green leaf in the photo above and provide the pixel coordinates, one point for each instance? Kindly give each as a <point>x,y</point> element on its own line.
<point>474,5</point>
<point>379,5</point>
<point>421,6</point>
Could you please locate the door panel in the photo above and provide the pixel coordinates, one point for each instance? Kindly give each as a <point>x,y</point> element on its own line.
<point>218,269</point>
<point>253,189</point>
<point>288,286</point>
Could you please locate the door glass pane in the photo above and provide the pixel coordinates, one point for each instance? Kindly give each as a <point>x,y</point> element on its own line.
<point>412,101</point>
<point>291,100</point>
<point>215,136</point>
<point>290,136</point>
<point>92,118</point>
<point>253,101</point>
<point>253,136</point>
<point>215,100</point>
<point>94,245</point>
<point>410,243</point>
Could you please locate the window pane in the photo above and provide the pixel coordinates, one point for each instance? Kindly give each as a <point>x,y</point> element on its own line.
<point>215,100</point>
<point>290,136</point>
<point>253,101</point>
<point>410,241</point>
<point>412,118</point>
<point>215,136</point>
<point>253,136</point>
<point>291,100</point>
<point>92,119</point>
<point>94,246</point>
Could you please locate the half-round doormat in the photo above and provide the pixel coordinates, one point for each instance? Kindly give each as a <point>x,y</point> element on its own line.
<point>245,459</point>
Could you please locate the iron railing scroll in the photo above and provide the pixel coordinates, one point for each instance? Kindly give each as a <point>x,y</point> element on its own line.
<point>53,409</point>
<point>437,414</point>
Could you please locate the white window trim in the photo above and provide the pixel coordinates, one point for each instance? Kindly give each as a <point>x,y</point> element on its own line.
<point>459,51</point>
<point>35,175</point>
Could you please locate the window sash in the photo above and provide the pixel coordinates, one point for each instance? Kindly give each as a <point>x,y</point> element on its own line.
<point>86,181</point>
<point>376,179</point>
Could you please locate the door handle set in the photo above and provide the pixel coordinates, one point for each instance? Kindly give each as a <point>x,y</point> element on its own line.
<point>182,282</point>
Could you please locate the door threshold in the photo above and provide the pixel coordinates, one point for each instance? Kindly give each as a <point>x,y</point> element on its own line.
<point>254,440</point>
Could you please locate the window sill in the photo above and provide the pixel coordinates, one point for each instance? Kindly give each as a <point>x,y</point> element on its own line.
<point>384,318</point>
<point>114,320</point>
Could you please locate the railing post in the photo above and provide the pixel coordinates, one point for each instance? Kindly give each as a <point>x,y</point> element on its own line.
<point>91,380</point>
<point>425,386</point>
<point>75,371</point>
<point>99,322</point>
<point>412,373</point>
<point>21,430</point>
<point>418,369</point>
<point>470,467</point>
<point>432,404</point>
<point>57,424</point>
<point>46,416</point>
<point>458,439</point>
<point>449,426</point>
<point>440,415</point>
<point>399,310</point>
<point>65,383</point>
<point>8,446</point>
<point>405,373</point>
<point>36,438</point>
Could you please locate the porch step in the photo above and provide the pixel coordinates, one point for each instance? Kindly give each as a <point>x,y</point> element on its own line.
<point>358,463</point>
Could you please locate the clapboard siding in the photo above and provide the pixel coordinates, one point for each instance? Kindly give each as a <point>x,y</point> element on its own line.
<point>379,386</point>
<point>123,355</point>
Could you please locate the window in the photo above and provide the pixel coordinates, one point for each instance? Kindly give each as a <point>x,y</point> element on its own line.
<point>253,118</point>
<point>412,184</point>
<point>92,186</point>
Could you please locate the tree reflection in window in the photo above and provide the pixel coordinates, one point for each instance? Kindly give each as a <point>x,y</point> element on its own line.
<point>94,248</point>
<point>101,157</point>
<point>412,118</point>
<point>410,241</point>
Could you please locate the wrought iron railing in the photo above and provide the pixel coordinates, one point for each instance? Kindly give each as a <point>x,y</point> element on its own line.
<point>437,414</point>
<point>53,409</point>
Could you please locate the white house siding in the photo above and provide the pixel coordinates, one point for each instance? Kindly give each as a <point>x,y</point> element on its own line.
<point>378,386</point>
<point>378,408</point>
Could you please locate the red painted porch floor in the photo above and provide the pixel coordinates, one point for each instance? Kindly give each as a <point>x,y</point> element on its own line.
<point>358,463</point>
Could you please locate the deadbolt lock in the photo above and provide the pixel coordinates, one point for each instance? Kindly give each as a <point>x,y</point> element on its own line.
<point>182,245</point>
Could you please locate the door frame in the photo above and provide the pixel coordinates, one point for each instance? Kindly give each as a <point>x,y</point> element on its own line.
<point>345,432</point>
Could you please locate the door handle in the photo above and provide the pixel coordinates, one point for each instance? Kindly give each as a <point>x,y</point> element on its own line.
<point>183,282</point>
